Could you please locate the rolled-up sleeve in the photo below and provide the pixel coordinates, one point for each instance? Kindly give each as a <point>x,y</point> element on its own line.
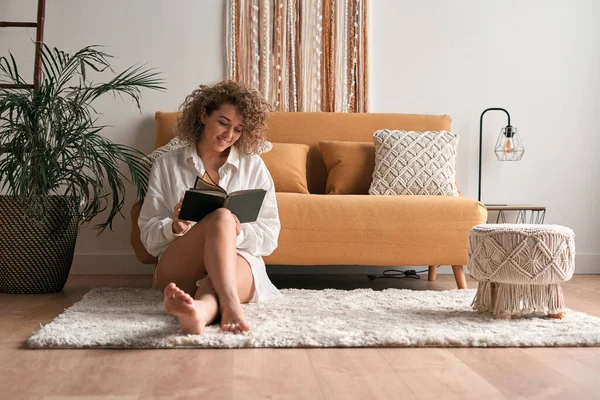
<point>155,221</point>
<point>259,238</point>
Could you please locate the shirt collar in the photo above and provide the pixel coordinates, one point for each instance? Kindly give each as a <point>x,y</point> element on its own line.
<point>192,157</point>
<point>234,157</point>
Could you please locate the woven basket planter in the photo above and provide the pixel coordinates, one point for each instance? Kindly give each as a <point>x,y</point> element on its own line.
<point>36,256</point>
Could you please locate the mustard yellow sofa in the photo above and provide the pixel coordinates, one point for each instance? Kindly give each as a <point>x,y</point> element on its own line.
<point>326,229</point>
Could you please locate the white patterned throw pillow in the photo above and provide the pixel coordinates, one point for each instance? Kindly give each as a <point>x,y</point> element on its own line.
<point>414,163</point>
<point>173,144</point>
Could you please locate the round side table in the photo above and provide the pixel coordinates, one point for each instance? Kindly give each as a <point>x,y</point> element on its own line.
<point>526,214</point>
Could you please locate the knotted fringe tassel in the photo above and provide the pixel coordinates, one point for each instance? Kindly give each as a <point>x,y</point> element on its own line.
<point>518,299</point>
<point>483,300</point>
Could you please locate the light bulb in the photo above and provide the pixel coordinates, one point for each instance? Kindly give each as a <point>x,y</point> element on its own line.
<point>509,146</point>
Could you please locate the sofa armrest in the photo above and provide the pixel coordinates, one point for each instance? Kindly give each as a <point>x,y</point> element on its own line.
<point>134,238</point>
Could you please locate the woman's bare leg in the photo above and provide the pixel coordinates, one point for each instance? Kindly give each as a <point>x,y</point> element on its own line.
<point>221,262</point>
<point>232,319</point>
<point>208,299</point>
<point>183,261</point>
<point>194,314</point>
<point>190,258</point>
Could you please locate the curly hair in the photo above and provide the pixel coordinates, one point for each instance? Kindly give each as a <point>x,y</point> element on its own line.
<point>252,105</point>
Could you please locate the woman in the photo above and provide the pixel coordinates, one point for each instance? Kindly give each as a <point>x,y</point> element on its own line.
<point>208,269</point>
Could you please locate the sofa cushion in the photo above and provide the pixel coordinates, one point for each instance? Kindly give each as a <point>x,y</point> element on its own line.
<point>312,127</point>
<point>173,144</point>
<point>374,230</point>
<point>287,164</point>
<point>349,166</point>
<point>414,163</point>
<point>136,241</point>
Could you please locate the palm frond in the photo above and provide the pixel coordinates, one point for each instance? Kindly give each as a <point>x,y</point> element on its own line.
<point>50,140</point>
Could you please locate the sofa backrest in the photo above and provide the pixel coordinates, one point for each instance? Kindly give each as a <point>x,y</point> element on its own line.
<point>311,128</point>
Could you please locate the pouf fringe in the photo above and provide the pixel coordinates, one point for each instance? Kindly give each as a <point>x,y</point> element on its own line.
<point>518,299</point>
<point>483,297</point>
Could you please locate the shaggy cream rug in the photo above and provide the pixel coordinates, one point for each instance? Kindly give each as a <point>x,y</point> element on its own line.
<point>135,318</point>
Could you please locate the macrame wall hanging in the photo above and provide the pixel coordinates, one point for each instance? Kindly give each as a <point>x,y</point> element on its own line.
<point>303,55</point>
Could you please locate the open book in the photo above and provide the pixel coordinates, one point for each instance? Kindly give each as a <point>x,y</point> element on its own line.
<point>206,197</point>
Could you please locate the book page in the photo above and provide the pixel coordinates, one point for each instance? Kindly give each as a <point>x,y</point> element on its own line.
<point>201,184</point>
<point>210,192</point>
<point>239,192</point>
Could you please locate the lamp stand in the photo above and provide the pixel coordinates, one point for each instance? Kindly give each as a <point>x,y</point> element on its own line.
<point>480,142</point>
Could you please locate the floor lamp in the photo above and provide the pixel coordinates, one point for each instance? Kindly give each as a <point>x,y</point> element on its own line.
<point>509,146</point>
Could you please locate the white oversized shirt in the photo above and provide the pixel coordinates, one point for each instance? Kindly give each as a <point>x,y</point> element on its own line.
<point>176,171</point>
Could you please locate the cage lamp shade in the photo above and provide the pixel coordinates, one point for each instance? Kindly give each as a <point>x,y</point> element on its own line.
<point>509,146</point>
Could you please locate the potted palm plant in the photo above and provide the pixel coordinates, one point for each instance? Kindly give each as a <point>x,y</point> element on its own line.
<point>57,173</point>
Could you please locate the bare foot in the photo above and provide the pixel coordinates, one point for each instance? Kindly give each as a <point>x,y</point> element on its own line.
<point>557,316</point>
<point>232,317</point>
<point>184,307</point>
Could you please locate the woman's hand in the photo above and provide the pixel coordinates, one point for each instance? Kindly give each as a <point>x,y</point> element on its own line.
<point>238,226</point>
<point>179,226</point>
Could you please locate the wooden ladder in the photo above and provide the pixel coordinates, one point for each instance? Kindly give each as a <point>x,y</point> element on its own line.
<point>39,40</point>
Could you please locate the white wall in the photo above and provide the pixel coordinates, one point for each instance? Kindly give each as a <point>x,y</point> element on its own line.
<point>540,59</point>
<point>183,39</point>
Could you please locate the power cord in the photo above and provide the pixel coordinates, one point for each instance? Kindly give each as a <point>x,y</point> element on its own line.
<point>397,274</point>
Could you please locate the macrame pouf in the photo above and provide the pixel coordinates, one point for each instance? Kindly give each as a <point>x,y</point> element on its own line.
<point>520,267</point>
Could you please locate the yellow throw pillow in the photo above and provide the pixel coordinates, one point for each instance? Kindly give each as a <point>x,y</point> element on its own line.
<point>349,165</point>
<point>287,164</point>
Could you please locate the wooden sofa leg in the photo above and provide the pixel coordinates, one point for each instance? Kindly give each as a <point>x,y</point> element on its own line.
<point>432,272</point>
<point>459,276</point>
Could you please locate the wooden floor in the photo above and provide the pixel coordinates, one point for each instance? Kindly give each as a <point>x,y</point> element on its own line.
<point>382,373</point>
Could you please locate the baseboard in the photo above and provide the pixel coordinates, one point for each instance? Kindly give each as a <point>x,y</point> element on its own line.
<point>127,264</point>
<point>109,264</point>
<point>587,263</point>
<point>343,269</point>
